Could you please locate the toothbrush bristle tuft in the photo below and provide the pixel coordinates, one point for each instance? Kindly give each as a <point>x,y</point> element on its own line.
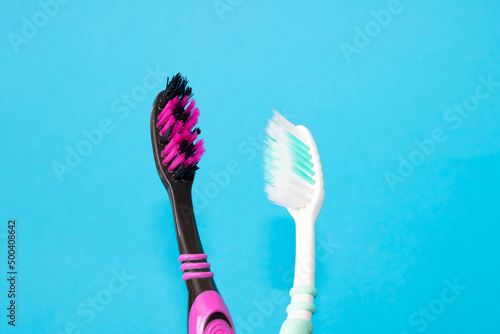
<point>288,165</point>
<point>177,86</point>
<point>181,150</point>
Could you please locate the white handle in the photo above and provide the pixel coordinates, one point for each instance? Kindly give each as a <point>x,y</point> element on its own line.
<point>303,292</point>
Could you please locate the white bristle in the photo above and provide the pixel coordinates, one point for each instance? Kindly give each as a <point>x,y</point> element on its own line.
<point>288,164</point>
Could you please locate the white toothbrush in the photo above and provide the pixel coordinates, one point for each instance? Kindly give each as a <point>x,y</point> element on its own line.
<point>294,179</point>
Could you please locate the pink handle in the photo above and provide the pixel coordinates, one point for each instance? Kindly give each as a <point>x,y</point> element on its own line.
<point>206,304</point>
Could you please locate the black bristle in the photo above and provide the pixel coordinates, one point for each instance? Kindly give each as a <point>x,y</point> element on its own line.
<point>183,117</point>
<point>177,86</point>
<point>164,138</point>
<point>186,148</point>
<point>185,173</point>
<point>183,145</point>
<point>189,91</point>
<point>178,111</point>
<point>178,175</point>
<point>189,173</point>
<point>197,130</point>
<point>189,150</point>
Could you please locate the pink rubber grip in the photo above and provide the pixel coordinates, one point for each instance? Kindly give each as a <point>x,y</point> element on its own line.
<point>206,304</point>
<point>194,265</point>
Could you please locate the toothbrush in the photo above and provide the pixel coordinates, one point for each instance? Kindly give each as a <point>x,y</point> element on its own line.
<point>177,151</point>
<point>294,179</point>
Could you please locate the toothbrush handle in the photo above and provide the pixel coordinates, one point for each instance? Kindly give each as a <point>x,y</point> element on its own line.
<point>209,315</point>
<point>302,307</point>
<point>207,311</point>
<point>300,310</point>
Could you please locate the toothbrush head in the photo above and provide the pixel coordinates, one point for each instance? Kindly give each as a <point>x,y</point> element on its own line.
<point>175,137</point>
<point>292,167</point>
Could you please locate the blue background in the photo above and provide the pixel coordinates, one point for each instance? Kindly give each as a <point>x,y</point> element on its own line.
<point>389,250</point>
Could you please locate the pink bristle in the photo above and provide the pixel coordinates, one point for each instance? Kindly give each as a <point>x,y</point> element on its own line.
<point>169,124</point>
<point>191,137</point>
<point>163,130</point>
<point>185,101</point>
<point>176,128</point>
<point>197,156</point>
<point>169,106</point>
<point>166,113</point>
<point>178,137</point>
<point>195,114</point>
<point>165,117</point>
<point>184,135</point>
<point>175,141</point>
<point>177,161</point>
<point>199,144</point>
<point>171,121</point>
<point>190,106</point>
<point>189,162</point>
<point>198,151</point>
<point>192,120</point>
<point>171,155</point>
